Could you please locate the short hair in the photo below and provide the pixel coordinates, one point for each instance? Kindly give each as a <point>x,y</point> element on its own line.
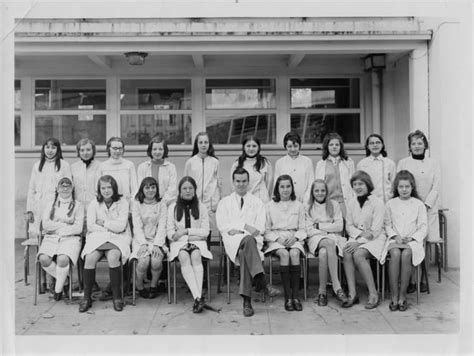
<point>364,177</point>
<point>108,179</point>
<point>404,175</point>
<point>140,196</point>
<point>240,170</point>
<point>382,151</point>
<point>276,192</point>
<point>59,154</point>
<point>157,139</point>
<point>291,136</point>
<point>114,139</point>
<point>417,134</point>
<point>83,142</point>
<point>333,136</point>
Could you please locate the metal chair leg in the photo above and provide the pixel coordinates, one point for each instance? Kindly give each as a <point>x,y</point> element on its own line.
<point>169,280</point>
<point>121,281</point>
<point>174,281</point>
<point>271,273</point>
<point>71,270</point>
<point>209,280</point>
<point>305,278</point>
<point>418,277</point>
<point>37,280</point>
<point>383,282</point>
<point>134,281</point>
<point>228,279</point>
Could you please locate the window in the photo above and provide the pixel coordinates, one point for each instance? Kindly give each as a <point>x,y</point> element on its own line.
<point>149,107</point>
<point>70,110</point>
<point>320,106</point>
<point>17,112</point>
<point>236,108</point>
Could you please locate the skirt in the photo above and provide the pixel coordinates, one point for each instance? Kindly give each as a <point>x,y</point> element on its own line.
<point>53,245</point>
<point>176,246</point>
<point>313,242</point>
<point>97,239</point>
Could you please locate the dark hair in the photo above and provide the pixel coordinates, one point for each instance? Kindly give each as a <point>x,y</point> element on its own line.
<point>72,204</point>
<point>181,203</point>
<point>382,151</point>
<point>140,196</point>
<point>276,192</point>
<point>58,157</point>
<point>108,179</point>
<point>210,150</point>
<point>114,139</point>
<point>405,175</point>
<point>312,200</point>
<point>83,142</point>
<point>157,139</point>
<point>333,136</point>
<point>260,161</point>
<point>417,134</point>
<point>364,177</point>
<point>240,170</point>
<point>291,136</point>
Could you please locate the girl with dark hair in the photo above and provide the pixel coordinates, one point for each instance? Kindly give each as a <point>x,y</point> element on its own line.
<point>108,233</point>
<point>299,167</point>
<point>62,226</point>
<point>258,167</point>
<point>149,235</point>
<point>324,225</point>
<point>160,168</point>
<point>380,168</point>
<point>187,230</point>
<point>336,169</point>
<point>364,225</point>
<point>45,176</point>
<point>406,227</point>
<point>285,232</point>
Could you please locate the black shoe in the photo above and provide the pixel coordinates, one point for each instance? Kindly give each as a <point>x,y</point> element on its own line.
<point>423,288</point>
<point>118,305</point>
<point>248,310</point>
<point>143,293</point>
<point>202,303</point>
<point>393,306</point>
<point>84,305</point>
<point>403,306</point>
<point>411,288</point>
<point>297,304</point>
<point>161,288</point>
<point>153,293</point>
<point>58,296</point>
<point>289,305</point>
<point>350,301</point>
<point>197,308</point>
<point>341,296</point>
<point>322,300</point>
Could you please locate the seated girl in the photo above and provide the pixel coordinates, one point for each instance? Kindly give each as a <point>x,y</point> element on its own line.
<point>108,234</point>
<point>284,234</point>
<point>149,235</point>
<point>188,228</point>
<point>324,225</point>
<point>62,227</point>
<point>406,225</point>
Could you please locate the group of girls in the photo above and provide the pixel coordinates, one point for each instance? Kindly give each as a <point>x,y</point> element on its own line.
<point>174,220</point>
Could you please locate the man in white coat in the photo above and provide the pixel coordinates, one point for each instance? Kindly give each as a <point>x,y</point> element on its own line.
<point>240,218</point>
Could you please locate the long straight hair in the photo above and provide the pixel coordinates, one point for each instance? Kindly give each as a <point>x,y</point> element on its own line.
<point>405,175</point>
<point>57,158</point>
<point>328,202</point>
<point>210,150</point>
<point>276,191</point>
<point>334,136</point>
<point>260,161</point>
<point>181,203</point>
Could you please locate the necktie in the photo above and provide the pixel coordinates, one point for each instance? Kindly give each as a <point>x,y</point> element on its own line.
<point>241,202</point>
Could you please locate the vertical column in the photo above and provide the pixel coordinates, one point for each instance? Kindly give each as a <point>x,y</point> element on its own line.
<point>27,122</point>
<point>376,101</point>
<point>112,126</point>
<point>198,92</point>
<point>418,89</point>
<point>283,121</point>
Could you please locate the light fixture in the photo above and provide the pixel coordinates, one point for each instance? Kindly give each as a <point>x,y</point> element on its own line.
<point>374,62</point>
<point>135,58</point>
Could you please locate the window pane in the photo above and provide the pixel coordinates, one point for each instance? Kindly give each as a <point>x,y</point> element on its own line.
<point>139,129</point>
<point>240,93</point>
<point>70,95</point>
<point>325,93</point>
<point>163,94</point>
<point>17,130</point>
<point>69,129</point>
<point>233,128</point>
<point>313,127</point>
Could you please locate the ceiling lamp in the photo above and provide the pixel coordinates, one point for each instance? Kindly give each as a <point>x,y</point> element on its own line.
<point>135,58</point>
<point>374,62</point>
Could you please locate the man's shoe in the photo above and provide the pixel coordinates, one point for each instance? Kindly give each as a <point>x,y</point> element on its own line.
<point>248,310</point>
<point>341,296</point>
<point>289,305</point>
<point>411,288</point>
<point>84,305</point>
<point>297,304</point>
<point>322,300</point>
<point>272,291</point>
<point>423,288</point>
<point>118,305</point>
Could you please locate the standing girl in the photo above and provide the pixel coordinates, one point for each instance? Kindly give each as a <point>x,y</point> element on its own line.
<point>380,168</point>
<point>149,235</point>
<point>62,226</point>
<point>188,228</point>
<point>406,227</point>
<point>336,169</point>
<point>45,176</point>
<point>259,168</point>
<point>285,233</point>
<point>324,225</point>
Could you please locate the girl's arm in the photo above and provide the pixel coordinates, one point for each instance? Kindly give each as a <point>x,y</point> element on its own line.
<point>138,233</point>
<point>421,224</point>
<point>76,227</point>
<point>388,221</point>
<point>378,219</point>
<point>337,224</point>
<point>160,237</point>
<point>202,232</point>
<point>350,228</point>
<point>119,224</point>
<point>170,222</point>
<point>51,226</point>
<point>92,211</point>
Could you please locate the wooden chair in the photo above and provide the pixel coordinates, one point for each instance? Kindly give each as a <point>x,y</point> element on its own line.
<point>28,243</point>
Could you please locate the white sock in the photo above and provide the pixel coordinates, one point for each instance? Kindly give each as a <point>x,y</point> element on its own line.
<point>199,276</point>
<point>188,275</point>
<point>51,269</point>
<point>61,275</point>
